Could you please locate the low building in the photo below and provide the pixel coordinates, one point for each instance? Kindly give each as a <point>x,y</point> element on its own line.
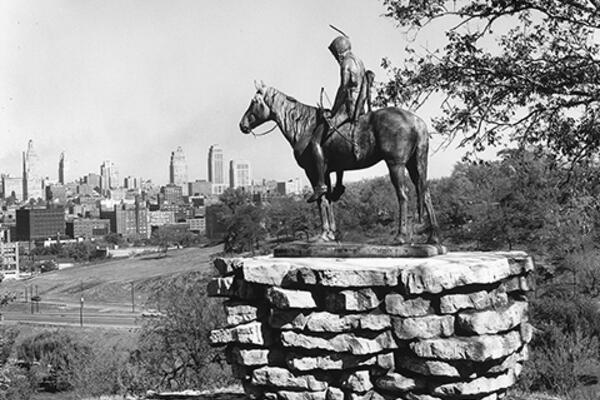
<point>88,228</point>
<point>160,218</point>
<point>9,259</point>
<point>128,221</point>
<point>197,225</point>
<point>40,223</point>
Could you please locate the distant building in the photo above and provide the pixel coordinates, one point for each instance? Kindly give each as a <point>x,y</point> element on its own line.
<point>160,218</point>
<point>289,187</point>
<point>61,169</point>
<point>216,169</point>
<point>128,221</point>
<point>131,182</point>
<point>200,188</point>
<point>87,228</point>
<point>32,177</point>
<point>40,223</point>
<point>109,176</point>
<point>9,259</point>
<point>215,229</point>
<point>56,193</point>
<point>178,170</point>
<point>197,225</point>
<point>93,180</point>
<point>12,187</point>
<point>172,194</point>
<point>240,175</point>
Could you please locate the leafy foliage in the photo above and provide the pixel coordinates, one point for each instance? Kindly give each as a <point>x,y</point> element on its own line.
<point>540,84</point>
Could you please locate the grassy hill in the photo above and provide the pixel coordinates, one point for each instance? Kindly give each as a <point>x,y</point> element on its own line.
<point>108,283</point>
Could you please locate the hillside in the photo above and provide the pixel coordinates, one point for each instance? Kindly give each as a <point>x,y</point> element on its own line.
<point>108,283</point>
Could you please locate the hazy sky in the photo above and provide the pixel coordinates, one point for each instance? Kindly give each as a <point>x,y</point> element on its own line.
<point>129,81</point>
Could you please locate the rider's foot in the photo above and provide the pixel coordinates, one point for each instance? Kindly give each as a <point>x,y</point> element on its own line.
<point>319,191</point>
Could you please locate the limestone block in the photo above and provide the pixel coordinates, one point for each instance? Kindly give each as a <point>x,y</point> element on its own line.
<point>220,287</point>
<point>357,381</point>
<point>227,266</point>
<point>334,393</point>
<point>524,283</point>
<point>427,327</point>
<point>352,300</point>
<point>291,395</point>
<point>458,369</point>
<point>397,304</point>
<point>386,361</point>
<point>526,331</point>
<point>265,271</point>
<point>422,396</point>
<point>454,270</point>
<point>481,300</point>
<point>323,321</point>
<point>476,386</point>
<point>342,343</point>
<point>474,348</point>
<point>254,357</point>
<point>360,396</point>
<point>345,273</point>
<point>283,378</point>
<point>287,298</point>
<point>331,361</point>
<point>250,333</point>
<point>492,321</point>
<point>396,382</point>
<point>239,313</point>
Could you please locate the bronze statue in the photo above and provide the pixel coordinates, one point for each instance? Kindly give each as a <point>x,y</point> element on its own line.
<point>348,106</point>
<point>396,136</point>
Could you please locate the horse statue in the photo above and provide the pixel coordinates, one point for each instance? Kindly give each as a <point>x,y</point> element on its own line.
<point>396,136</point>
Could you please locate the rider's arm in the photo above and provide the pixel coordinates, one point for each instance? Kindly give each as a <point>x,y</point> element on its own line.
<point>342,95</point>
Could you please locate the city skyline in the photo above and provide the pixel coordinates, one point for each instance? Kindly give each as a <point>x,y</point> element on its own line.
<point>82,79</point>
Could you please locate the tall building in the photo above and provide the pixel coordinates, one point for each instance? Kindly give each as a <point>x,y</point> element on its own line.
<point>131,182</point>
<point>93,180</point>
<point>109,176</point>
<point>61,169</point>
<point>12,187</point>
<point>178,170</point>
<point>216,173</point>
<point>32,178</point>
<point>240,175</point>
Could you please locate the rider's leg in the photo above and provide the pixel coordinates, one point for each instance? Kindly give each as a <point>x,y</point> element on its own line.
<point>319,189</point>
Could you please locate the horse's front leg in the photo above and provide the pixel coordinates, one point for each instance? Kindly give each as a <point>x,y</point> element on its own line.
<point>325,213</point>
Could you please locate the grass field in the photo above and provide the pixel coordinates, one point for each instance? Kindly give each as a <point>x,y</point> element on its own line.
<point>108,283</point>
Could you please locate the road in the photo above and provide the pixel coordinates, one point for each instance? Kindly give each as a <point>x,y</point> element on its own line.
<point>114,320</point>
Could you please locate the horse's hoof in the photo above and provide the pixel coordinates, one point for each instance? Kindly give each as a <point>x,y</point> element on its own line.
<point>337,192</point>
<point>399,240</point>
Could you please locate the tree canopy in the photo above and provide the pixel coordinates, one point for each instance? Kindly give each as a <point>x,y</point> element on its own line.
<point>539,84</point>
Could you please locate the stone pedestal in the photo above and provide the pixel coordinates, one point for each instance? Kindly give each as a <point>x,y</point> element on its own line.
<point>447,327</point>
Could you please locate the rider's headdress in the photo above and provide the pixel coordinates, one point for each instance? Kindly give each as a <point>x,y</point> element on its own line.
<point>340,45</point>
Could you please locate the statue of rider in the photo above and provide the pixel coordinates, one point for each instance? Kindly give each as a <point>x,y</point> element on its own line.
<point>348,106</point>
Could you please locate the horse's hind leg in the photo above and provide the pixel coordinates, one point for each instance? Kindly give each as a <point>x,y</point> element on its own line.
<point>339,188</point>
<point>399,182</point>
<point>413,172</point>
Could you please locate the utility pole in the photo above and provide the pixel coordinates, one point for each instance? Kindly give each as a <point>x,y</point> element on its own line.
<point>132,298</point>
<point>81,305</point>
<point>37,301</point>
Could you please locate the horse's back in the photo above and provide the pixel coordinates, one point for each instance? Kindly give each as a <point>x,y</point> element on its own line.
<point>399,119</point>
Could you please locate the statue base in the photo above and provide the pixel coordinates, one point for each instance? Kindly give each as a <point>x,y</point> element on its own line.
<point>357,250</point>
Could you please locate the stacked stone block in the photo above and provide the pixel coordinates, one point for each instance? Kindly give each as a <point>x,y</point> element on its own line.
<point>447,327</point>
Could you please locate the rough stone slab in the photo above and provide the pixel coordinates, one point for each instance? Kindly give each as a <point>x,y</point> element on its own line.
<point>256,357</point>
<point>481,300</point>
<point>357,381</point>
<point>250,333</point>
<point>396,382</point>
<point>386,361</point>
<point>460,369</point>
<point>266,273</point>
<point>291,395</point>
<point>420,396</point>
<point>454,270</point>
<point>334,393</point>
<point>427,327</point>
<point>352,300</point>
<point>237,313</point>
<point>287,298</point>
<point>343,275</point>
<point>481,385</point>
<point>474,348</point>
<point>341,343</point>
<point>323,321</point>
<point>357,250</point>
<point>283,378</point>
<point>525,283</point>
<point>227,266</point>
<point>396,304</point>
<point>332,361</point>
<point>526,331</point>
<point>220,287</point>
<point>492,321</point>
<point>359,396</point>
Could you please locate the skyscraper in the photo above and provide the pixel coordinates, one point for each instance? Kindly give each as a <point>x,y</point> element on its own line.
<point>109,176</point>
<point>61,169</point>
<point>32,178</point>
<point>240,175</point>
<point>178,170</point>
<point>216,175</point>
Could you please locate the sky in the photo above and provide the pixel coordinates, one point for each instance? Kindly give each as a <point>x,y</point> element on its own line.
<point>130,80</point>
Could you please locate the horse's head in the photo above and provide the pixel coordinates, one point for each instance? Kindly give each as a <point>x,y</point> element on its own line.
<point>258,112</point>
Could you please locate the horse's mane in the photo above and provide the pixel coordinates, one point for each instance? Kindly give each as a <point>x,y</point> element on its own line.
<point>296,117</point>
